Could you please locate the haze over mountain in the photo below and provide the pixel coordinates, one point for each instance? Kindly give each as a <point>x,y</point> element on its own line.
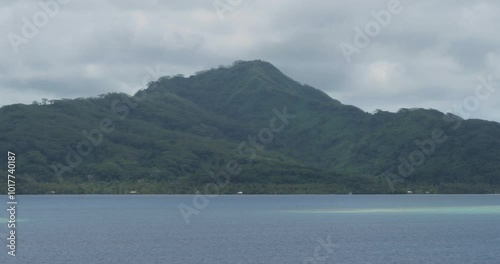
<point>269,133</point>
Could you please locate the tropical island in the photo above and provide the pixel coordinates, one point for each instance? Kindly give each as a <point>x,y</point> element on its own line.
<point>243,128</point>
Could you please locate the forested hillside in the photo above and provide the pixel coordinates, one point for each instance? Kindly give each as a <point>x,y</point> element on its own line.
<point>270,133</point>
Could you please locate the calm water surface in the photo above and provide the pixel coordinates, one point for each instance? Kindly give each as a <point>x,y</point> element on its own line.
<point>257,229</point>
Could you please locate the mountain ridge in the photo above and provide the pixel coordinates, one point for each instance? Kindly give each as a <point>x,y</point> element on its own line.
<point>167,138</point>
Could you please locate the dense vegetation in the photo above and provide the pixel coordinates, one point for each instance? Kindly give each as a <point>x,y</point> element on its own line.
<point>270,133</point>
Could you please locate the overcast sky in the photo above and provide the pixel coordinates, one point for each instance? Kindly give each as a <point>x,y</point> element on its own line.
<point>428,54</point>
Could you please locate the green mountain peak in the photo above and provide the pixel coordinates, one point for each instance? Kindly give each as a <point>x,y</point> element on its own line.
<point>184,129</point>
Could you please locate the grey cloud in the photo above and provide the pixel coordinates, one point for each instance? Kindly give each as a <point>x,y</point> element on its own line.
<point>428,56</point>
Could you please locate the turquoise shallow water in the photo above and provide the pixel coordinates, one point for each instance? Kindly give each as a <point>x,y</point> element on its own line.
<point>415,210</point>
<point>257,229</point>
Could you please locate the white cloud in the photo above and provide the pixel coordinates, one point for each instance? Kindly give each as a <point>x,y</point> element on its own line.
<point>428,56</point>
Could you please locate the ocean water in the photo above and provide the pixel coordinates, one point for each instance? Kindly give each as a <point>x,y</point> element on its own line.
<point>240,229</point>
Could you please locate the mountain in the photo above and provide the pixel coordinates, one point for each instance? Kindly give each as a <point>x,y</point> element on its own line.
<point>245,127</point>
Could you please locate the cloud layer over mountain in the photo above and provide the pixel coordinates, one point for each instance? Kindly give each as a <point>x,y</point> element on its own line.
<point>423,54</point>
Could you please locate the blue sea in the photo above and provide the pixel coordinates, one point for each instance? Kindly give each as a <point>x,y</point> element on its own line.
<point>240,229</point>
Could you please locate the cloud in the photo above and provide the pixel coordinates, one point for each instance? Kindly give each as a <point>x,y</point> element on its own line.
<point>430,55</point>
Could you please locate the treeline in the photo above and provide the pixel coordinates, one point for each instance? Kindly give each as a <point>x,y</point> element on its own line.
<point>249,188</point>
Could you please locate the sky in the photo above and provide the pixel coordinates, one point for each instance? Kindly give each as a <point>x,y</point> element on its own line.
<point>377,54</point>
